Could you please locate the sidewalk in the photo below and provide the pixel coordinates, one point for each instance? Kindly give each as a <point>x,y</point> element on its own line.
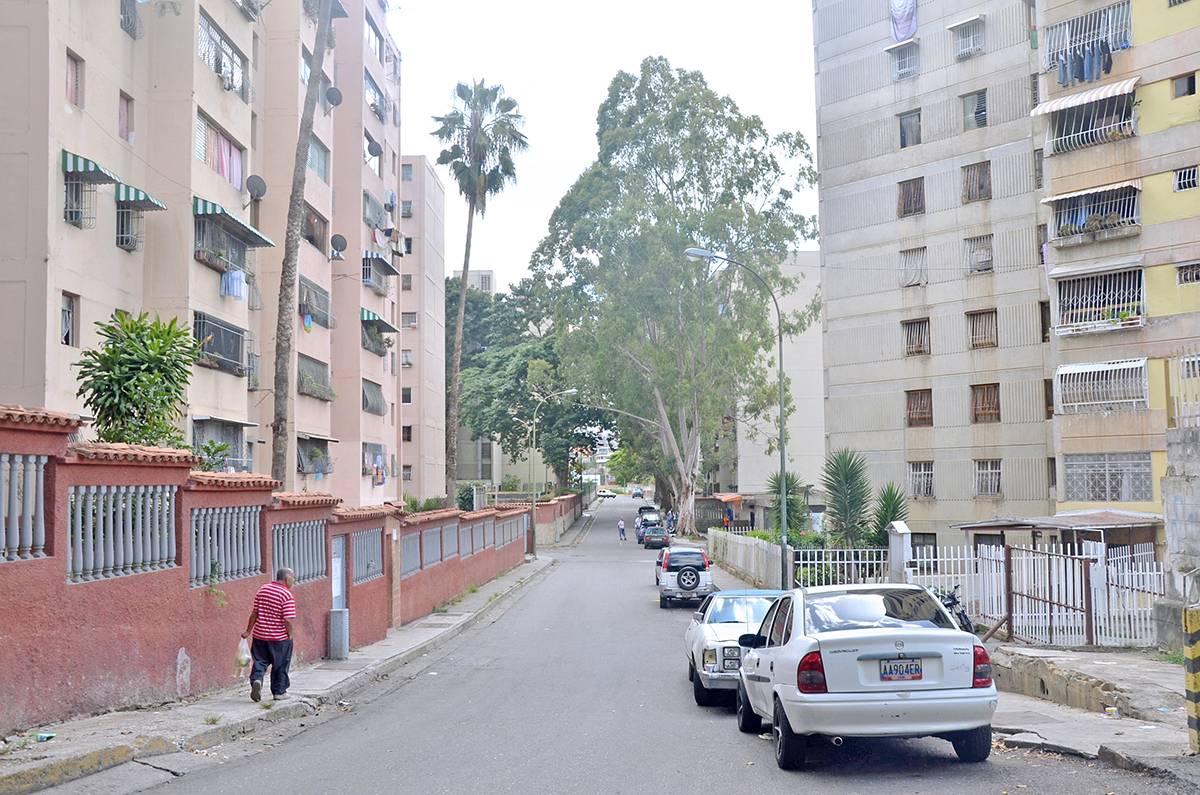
<point>82,747</point>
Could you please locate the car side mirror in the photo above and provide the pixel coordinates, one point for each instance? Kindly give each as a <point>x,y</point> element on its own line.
<point>752,640</point>
<point>699,616</point>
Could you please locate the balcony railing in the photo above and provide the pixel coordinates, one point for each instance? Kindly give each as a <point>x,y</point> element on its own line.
<point>1113,211</point>
<point>375,343</point>
<point>1101,122</point>
<point>1101,302</point>
<point>1109,28</point>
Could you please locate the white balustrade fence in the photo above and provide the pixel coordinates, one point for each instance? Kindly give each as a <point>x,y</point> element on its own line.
<point>120,530</point>
<point>22,506</point>
<point>750,558</point>
<point>300,546</point>
<point>225,544</point>
<point>840,566</point>
<point>368,554</point>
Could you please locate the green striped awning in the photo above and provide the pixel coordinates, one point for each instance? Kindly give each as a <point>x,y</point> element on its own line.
<point>138,199</point>
<point>236,226</point>
<point>369,318</point>
<point>87,170</point>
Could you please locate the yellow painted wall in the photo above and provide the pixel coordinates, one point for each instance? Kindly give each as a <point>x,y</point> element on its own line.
<point>1158,108</point>
<point>1153,20</point>
<point>1156,371</point>
<point>1166,296</point>
<point>1158,470</point>
<point>1162,203</point>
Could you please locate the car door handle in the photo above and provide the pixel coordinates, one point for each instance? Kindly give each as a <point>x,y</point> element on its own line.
<point>772,666</point>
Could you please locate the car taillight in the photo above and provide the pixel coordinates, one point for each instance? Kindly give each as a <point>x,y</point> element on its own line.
<point>665,556</point>
<point>810,674</point>
<point>983,668</point>
<point>705,560</point>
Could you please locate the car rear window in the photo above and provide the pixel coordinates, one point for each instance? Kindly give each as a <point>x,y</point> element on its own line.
<point>650,517</point>
<point>678,559</point>
<point>870,609</point>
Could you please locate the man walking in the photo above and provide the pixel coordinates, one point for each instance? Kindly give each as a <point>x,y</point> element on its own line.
<point>271,623</point>
<point>621,528</point>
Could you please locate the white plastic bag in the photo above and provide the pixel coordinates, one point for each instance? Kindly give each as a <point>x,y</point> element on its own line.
<point>243,660</point>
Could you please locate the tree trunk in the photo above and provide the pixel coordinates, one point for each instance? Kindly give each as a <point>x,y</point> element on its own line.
<point>286,322</point>
<point>456,368</point>
<point>684,447</point>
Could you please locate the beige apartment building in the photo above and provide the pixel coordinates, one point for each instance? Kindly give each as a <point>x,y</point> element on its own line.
<point>151,148</point>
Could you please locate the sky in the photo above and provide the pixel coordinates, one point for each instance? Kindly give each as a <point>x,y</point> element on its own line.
<point>557,60</point>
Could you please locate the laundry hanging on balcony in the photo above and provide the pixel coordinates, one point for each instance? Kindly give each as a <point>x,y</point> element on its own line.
<point>1081,50</point>
<point>904,19</point>
<point>233,284</point>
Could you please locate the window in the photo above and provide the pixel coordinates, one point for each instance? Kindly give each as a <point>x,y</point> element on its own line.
<point>131,23</point>
<point>1185,179</point>
<point>1043,238</point>
<point>1035,92</point>
<point>315,303</point>
<point>977,182</point>
<point>982,329</point>
<point>131,227</point>
<point>1094,123</point>
<point>924,549</point>
<point>125,118</point>
<point>920,479</point>
<point>219,54</point>
<point>312,378</point>
<point>406,395</point>
<point>406,358</point>
<point>974,111</point>
<point>371,152</point>
<point>406,172</point>
<point>1100,210</point>
<point>408,245</point>
<point>217,248</point>
<point>1039,158</point>
<point>919,410</point>
<point>985,403</point>
<point>312,456</point>
<point>1101,302</point>
<point>910,129</point>
<point>979,254</point>
<point>69,334</point>
<point>1108,477</point>
<point>374,39</point>
<point>223,346</point>
<point>916,337</point>
<point>236,456</point>
<point>910,197</point>
<point>373,401</point>
<point>74,79</point>
<point>1048,391</point>
<point>406,433</point>
<point>913,271</point>
<point>408,319</point>
<point>1044,311</point>
<point>485,282</point>
<point>1187,273</point>
<point>906,61</point>
<point>374,97</point>
<point>987,478</point>
<point>406,282</point>
<point>318,158</point>
<point>314,228</point>
<point>1184,86</point>
<point>968,38</point>
<point>1122,385</point>
<point>219,152</point>
<point>406,209</point>
<point>406,472</point>
<point>1052,472</point>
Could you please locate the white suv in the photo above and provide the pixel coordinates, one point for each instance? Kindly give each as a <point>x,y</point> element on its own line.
<point>683,575</point>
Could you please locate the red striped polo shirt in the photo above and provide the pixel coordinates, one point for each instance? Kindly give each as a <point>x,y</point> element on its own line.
<point>273,603</point>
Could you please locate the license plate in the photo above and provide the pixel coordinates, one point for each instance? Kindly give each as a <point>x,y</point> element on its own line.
<point>899,670</point>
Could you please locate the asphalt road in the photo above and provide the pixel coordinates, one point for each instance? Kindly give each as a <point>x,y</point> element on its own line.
<point>578,686</point>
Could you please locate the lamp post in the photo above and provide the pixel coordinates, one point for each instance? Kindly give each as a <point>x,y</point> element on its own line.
<point>696,254</point>
<point>541,401</point>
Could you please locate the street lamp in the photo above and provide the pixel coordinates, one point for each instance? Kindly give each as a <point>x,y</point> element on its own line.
<point>696,254</point>
<point>541,401</point>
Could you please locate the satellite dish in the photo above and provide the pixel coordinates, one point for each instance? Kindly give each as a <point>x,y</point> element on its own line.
<point>256,186</point>
<point>338,243</point>
<point>375,149</point>
<point>334,97</point>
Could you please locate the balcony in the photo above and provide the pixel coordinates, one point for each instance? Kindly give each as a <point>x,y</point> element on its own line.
<point>1101,302</point>
<point>1096,214</point>
<point>1090,118</point>
<point>1109,28</point>
<point>223,347</point>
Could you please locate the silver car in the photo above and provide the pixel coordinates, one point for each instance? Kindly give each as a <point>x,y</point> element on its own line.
<point>711,640</point>
<point>683,575</point>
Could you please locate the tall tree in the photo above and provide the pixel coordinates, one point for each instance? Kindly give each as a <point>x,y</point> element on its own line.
<point>484,132</point>
<point>654,338</point>
<point>847,497</point>
<point>286,322</point>
<point>891,504</point>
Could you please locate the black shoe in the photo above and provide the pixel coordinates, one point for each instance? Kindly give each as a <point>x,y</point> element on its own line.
<point>256,690</point>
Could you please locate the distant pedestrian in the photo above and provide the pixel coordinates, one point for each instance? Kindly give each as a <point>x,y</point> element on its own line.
<point>271,624</point>
<point>621,528</point>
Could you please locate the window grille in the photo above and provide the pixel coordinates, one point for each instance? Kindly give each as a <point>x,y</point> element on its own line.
<point>406,209</point>
<point>906,61</point>
<point>485,282</point>
<point>979,254</point>
<point>131,22</point>
<point>315,302</point>
<point>913,269</point>
<point>1100,122</point>
<point>987,478</point>
<point>374,456</point>
<point>223,346</point>
<point>406,172</point>
<point>1185,179</point>
<point>373,212</point>
<point>410,554</point>
<point>974,111</point>
<point>314,229</point>
<point>920,479</point>
<point>1101,302</point>
<point>985,403</point>
<point>1188,273</point>
<point>1047,323</point>
<point>919,410</point>
<point>79,202</point>
<point>406,282</point>
<point>217,248</point>
<point>230,434</point>
<point>130,228</point>
<point>373,401</point>
<point>1108,477</point>
<point>312,456</point>
<point>312,378</point>
<point>374,341</point>
<point>406,395</point>
<point>406,359</point>
<point>910,129</point>
<point>916,337</point>
<point>1096,212</point>
<point>1039,162</point>
<point>318,159</point>
<point>406,472</point>
<point>982,328</point>
<point>1035,92</point>
<point>219,54</point>
<point>977,182</point>
<point>1052,472</point>
<point>408,319</point>
<point>375,277</point>
<point>911,197</point>
<point>1109,27</point>
<point>1043,237</point>
<point>375,98</point>
<point>968,39</point>
<point>406,433</point>
<point>368,554</point>
<point>1122,385</point>
<point>74,80</point>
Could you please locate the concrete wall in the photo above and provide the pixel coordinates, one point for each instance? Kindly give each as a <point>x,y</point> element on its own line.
<point>1181,514</point>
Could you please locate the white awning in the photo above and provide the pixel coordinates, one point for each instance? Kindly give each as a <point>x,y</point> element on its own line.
<point>1136,184</point>
<point>898,45</point>
<point>1084,97</point>
<point>315,437</point>
<point>211,418</point>
<point>1101,367</point>
<point>966,21</point>
<point>1096,266</point>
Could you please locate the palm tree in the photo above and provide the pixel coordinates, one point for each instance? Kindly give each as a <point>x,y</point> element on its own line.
<point>484,132</point>
<point>891,504</point>
<point>797,516</point>
<point>847,497</point>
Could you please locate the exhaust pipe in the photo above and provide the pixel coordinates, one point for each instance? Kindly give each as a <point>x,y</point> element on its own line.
<point>837,741</point>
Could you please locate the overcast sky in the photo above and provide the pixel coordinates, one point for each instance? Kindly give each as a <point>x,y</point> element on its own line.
<point>557,59</point>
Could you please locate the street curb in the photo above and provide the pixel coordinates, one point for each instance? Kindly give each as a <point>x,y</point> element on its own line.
<point>1115,758</point>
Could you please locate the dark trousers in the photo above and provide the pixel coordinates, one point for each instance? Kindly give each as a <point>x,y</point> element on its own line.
<point>278,655</point>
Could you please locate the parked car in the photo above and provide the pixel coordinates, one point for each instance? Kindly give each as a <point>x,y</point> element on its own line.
<point>645,509</point>
<point>605,493</point>
<point>711,640</point>
<point>655,536</point>
<point>684,575</point>
<point>637,492</point>
<point>864,661</point>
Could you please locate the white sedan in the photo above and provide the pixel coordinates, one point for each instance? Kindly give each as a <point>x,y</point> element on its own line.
<point>605,493</point>
<point>864,661</point>
<point>711,640</point>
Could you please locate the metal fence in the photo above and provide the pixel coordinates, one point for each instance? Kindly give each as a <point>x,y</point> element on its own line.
<point>120,530</point>
<point>22,506</point>
<point>300,546</point>
<point>368,554</point>
<point>225,544</point>
<point>840,566</point>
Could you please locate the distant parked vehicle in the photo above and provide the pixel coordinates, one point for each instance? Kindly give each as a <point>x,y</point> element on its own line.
<point>638,493</point>
<point>684,574</point>
<point>605,493</point>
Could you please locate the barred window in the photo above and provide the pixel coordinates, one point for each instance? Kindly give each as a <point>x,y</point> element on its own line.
<point>1097,211</point>
<point>374,97</point>
<point>975,111</point>
<point>919,410</point>
<point>1122,385</point>
<point>410,554</point>
<point>913,269</point>
<point>312,456</point>
<point>920,479</point>
<point>1101,301</point>
<point>910,128</point>
<point>916,337</point>
<point>982,328</point>
<point>977,182</point>
<point>968,39</point>
<point>987,478</point>
<point>1188,273</point>
<point>219,54</point>
<point>1185,178</point>
<point>315,302</point>
<point>373,401</point>
<point>223,346</point>
<point>910,197</point>
<point>312,378</point>
<point>1108,477</point>
<point>906,61</point>
<point>1039,163</point>
<point>979,254</point>
<point>985,403</point>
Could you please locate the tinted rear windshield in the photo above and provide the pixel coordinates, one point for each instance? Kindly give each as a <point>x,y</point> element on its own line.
<point>871,609</point>
<point>651,517</point>
<point>678,560</point>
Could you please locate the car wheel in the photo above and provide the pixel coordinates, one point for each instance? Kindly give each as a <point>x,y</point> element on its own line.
<point>691,672</point>
<point>688,579</point>
<point>662,602</point>
<point>704,696</point>
<point>748,720</point>
<point>789,746</point>
<point>973,745</point>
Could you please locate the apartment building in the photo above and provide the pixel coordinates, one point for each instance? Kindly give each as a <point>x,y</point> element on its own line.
<point>937,344</point>
<point>156,178</point>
